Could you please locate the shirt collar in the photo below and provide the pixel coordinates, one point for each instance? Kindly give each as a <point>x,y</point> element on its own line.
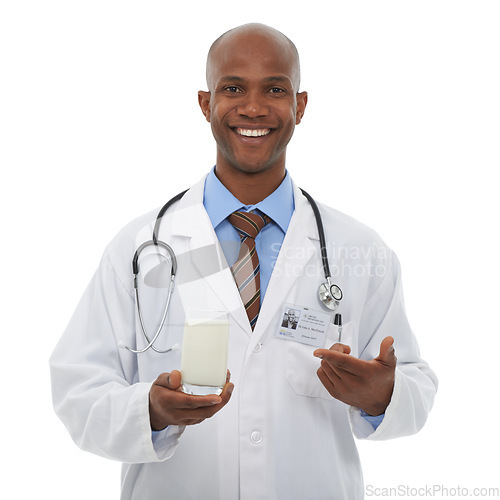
<point>220,202</point>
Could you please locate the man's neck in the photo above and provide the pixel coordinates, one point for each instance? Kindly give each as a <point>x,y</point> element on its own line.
<point>250,188</point>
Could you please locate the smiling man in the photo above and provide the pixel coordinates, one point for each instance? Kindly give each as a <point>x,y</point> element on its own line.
<point>247,242</point>
<point>253,105</point>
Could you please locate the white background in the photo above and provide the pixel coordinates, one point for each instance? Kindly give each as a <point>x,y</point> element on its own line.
<point>99,123</point>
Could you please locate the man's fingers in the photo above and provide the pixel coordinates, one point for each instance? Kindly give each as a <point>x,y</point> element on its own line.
<point>330,372</point>
<point>171,395</point>
<point>340,348</point>
<point>176,398</point>
<point>216,403</point>
<point>340,359</point>
<point>225,396</point>
<point>227,391</point>
<point>183,401</point>
<point>344,348</point>
<point>173,380</point>
<point>332,383</point>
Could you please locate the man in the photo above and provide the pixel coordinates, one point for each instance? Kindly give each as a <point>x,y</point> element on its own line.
<point>281,428</point>
<point>289,319</point>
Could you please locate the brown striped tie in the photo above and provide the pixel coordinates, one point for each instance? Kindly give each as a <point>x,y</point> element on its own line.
<point>246,269</point>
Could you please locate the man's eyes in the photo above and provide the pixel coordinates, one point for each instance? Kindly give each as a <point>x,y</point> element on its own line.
<point>233,89</point>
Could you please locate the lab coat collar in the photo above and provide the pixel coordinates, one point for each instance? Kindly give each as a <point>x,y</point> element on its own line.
<point>192,204</point>
<point>305,213</point>
<point>189,215</point>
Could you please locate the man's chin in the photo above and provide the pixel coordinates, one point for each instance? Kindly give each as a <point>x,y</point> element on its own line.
<point>254,168</point>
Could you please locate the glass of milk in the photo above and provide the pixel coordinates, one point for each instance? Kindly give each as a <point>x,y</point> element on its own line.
<point>204,352</point>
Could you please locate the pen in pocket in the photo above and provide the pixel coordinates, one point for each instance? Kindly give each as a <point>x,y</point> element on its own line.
<point>338,321</point>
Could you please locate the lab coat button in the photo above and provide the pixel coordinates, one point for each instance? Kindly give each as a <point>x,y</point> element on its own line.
<point>257,347</point>
<point>256,437</point>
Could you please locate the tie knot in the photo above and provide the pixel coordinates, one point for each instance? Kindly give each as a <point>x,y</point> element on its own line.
<point>248,224</point>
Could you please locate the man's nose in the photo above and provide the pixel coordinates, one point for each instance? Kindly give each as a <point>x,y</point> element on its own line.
<point>253,105</point>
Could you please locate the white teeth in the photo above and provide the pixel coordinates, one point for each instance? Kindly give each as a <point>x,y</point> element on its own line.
<point>253,133</point>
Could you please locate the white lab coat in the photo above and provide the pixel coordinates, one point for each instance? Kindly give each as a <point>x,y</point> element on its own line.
<point>281,436</point>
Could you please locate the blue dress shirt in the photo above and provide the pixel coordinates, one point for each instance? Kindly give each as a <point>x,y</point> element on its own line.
<point>219,203</point>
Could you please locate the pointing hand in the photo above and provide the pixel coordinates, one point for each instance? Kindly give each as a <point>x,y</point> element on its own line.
<point>368,385</point>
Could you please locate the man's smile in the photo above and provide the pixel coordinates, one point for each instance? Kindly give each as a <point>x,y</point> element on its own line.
<point>252,132</point>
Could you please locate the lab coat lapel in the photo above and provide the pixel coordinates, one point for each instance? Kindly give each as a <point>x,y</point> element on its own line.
<point>298,248</point>
<point>209,281</point>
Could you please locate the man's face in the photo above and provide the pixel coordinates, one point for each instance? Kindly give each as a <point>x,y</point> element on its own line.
<point>252,105</point>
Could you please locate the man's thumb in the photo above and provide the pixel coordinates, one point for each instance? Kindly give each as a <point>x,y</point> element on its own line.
<point>169,380</point>
<point>387,350</point>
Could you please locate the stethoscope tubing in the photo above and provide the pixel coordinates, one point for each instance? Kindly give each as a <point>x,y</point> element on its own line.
<point>331,302</point>
<point>162,322</point>
<point>173,272</point>
<point>161,213</point>
<point>321,234</point>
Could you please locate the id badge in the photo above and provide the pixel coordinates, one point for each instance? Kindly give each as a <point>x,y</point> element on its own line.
<point>304,325</point>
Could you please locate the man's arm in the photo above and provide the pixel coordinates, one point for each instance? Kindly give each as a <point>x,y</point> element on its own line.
<point>95,390</point>
<point>402,388</point>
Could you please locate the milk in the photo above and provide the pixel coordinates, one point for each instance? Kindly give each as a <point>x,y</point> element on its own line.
<point>204,352</point>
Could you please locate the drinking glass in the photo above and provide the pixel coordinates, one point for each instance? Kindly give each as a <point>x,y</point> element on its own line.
<point>204,352</point>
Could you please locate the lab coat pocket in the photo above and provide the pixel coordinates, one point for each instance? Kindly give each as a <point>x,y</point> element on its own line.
<point>302,365</point>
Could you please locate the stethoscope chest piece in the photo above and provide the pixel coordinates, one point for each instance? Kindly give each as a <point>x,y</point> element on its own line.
<point>330,295</point>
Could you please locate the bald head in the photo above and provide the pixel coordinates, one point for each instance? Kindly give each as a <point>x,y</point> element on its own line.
<point>247,35</point>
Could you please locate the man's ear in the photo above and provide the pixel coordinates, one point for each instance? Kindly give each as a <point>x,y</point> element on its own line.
<point>204,102</point>
<point>301,106</point>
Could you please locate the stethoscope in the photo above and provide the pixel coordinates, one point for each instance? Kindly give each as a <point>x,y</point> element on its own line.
<point>329,294</point>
